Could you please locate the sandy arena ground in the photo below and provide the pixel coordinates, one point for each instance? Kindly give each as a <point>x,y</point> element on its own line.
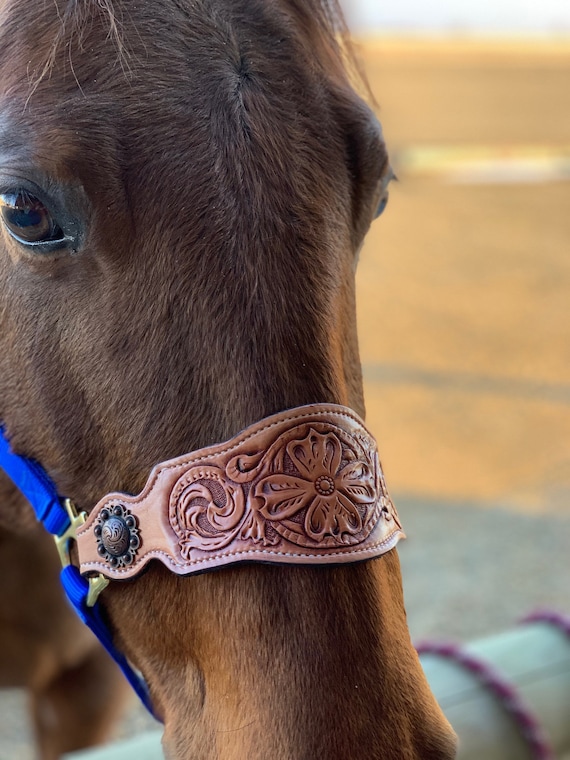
<point>464,290</point>
<point>464,317</point>
<point>464,306</point>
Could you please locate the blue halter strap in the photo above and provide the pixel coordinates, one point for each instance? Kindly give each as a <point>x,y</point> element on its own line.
<point>59,517</point>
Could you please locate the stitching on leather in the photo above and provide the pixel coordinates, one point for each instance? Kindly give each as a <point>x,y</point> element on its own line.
<point>165,466</point>
<point>88,566</point>
<point>335,417</point>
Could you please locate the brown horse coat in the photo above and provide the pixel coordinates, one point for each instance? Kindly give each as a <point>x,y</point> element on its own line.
<point>215,173</point>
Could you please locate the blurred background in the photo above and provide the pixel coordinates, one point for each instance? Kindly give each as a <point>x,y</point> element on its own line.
<point>464,303</point>
<point>500,17</point>
<point>464,311</point>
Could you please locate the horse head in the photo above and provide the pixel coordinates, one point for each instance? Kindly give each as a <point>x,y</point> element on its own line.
<point>184,190</point>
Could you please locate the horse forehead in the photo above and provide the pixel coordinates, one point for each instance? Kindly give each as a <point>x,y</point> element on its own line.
<point>158,54</point>
<point>184,92</point>
<point>78,42</point>
<point>65,90</point>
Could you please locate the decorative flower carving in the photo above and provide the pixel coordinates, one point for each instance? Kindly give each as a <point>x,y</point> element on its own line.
<point>206,512</point>
<point>302,487</point>
<point>328,499</point>
<point>319,489</point>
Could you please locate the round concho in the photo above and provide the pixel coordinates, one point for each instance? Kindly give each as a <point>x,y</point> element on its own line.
<point>117,535</point>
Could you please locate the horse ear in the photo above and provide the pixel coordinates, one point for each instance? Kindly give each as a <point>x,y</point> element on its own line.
<point>367,162</point>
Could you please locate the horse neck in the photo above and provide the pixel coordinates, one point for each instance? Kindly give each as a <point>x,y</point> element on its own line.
<point>285,663</point>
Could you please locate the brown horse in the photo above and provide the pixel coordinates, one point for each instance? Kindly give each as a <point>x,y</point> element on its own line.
<point>185,186</point>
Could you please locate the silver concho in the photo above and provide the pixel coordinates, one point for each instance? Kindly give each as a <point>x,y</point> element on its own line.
<point>117,535</point>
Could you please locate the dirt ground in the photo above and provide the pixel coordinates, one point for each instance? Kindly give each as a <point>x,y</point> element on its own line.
<point>464,318</point>
<point>464,289</point>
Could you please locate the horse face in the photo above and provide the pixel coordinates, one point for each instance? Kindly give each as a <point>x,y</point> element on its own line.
<point>184,188</point>
<point>182,199</point>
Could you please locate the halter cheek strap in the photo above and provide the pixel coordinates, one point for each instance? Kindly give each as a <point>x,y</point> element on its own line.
<point>59,518</point>
<point>36,486</point>
<point>304,486</point>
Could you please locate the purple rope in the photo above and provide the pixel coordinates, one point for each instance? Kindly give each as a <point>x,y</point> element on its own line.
<point>557,619</point>
<point>503,689</point>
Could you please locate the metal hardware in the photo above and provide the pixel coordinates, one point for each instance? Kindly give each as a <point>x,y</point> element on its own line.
<point>76,519</point>
<point>117,534</point>
<point>96,584</point>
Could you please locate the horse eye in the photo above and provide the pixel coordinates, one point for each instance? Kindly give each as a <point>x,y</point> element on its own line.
<point>28,220</point>
<point>381,206</point>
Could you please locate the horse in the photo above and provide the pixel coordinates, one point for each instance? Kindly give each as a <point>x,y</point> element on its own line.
<point>185,186</point>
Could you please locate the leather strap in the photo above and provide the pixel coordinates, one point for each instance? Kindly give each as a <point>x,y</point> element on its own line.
<point>304,486</point>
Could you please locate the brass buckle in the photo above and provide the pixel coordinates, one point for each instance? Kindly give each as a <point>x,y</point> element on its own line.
<point>98,582</point>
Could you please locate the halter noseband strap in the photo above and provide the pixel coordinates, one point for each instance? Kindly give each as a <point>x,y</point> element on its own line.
<point>304,486</point>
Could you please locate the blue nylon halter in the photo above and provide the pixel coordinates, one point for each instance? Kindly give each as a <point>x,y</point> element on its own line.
<point>34,483</point>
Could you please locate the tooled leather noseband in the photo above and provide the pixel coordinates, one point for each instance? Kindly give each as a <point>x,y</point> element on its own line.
<point>304,486</point>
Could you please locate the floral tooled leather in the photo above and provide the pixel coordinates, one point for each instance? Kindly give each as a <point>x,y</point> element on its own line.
<point>332,494</point>
<point>303,486</point>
